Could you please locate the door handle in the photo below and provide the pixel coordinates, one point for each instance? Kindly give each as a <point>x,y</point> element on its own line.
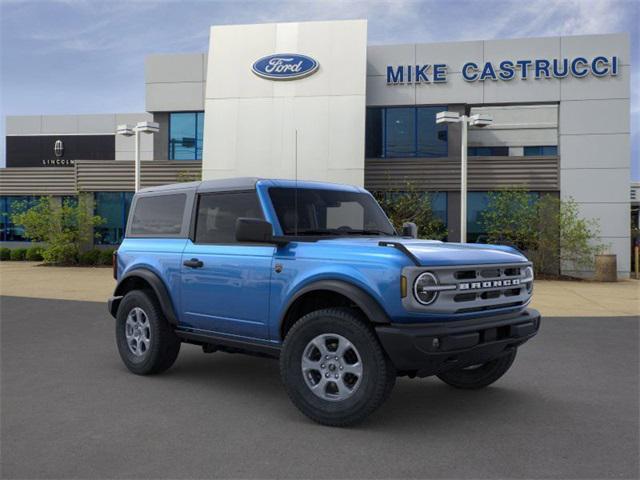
<point>193,263</point>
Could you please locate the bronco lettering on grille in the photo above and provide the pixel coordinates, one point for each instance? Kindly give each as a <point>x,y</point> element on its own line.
<point>488,284</point>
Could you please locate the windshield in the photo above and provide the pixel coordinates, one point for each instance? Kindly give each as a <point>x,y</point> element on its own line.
<point>328,212</point>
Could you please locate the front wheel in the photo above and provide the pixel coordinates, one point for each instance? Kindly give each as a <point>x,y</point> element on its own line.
<point>334,368</point>
<point>479,376</point>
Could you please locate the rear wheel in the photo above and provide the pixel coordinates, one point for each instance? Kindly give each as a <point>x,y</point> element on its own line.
<point>146,342</point>
<point>479,376</point>
<point>334,368</point>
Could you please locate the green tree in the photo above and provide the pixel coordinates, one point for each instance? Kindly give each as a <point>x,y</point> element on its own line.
<point>410,205</point>
<point>510,218</point>
<point>67,228</point>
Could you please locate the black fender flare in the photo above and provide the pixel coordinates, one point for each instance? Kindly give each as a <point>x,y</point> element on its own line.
<point>363,300</point>
<point>158,287</point>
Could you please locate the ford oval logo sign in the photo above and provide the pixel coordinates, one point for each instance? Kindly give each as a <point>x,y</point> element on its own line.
<point>285,66</point>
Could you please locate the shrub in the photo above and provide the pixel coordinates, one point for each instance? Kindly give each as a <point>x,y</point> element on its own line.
<point>410,205</point>
<point>5,254</point>
<point>18,254</point>
<point>90,257</point>
<point>34,254</point>
<point>548,228</point>
<point>106,256</point>
<point>64,228</point>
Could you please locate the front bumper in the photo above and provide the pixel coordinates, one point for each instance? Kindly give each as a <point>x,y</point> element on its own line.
<point>112,305</point>
<point>428,349</point>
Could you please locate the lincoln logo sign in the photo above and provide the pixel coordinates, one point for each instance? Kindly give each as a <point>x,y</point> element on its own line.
<point>58,148</point>
<point>285,66</point>
<point>505,70</point>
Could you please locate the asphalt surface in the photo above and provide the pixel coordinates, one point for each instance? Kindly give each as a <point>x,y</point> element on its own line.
<point>568,408</point>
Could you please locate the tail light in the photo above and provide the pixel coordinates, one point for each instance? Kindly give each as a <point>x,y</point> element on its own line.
<point>114,264</point>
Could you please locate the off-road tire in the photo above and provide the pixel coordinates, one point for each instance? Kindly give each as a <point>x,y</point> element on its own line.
<point>481,376</point>
<point>164,344</point>
<point>378,377</point>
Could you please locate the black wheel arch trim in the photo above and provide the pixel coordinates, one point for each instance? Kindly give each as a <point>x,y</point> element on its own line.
<point>363,300</point>
<point>159,289</point>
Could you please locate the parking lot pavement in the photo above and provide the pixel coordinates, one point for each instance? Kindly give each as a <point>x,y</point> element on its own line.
<point>567,409</point>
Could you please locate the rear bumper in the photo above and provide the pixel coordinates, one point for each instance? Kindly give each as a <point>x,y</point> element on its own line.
<point>428,349</point>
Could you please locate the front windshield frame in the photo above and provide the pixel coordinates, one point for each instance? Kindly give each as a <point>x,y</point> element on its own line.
<point>374,221</point>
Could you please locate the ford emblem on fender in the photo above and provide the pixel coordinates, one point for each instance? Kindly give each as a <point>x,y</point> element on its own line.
<point>58,148</point>
<point>285,66</point>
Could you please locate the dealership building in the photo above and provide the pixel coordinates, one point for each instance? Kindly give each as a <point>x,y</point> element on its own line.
<point>313,101</point>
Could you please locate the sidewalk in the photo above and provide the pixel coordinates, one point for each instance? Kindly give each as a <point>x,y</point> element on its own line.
<point>30,279</point>
<point>552,298</point>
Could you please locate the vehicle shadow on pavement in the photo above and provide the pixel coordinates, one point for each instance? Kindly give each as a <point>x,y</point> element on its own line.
<point>413,404</point>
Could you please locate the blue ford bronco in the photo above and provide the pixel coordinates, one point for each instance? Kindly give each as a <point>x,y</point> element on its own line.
<point>314,274</point>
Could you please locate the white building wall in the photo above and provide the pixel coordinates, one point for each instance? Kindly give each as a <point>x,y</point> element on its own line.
<point>251,122</point>
<point>175,82</point>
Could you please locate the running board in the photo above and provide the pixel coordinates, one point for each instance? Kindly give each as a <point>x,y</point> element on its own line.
<point>227,344</point>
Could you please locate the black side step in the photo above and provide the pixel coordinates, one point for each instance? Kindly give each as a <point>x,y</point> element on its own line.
<point>227,344</point>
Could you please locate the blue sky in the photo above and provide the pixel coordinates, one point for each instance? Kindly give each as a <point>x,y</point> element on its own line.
<point>84,56</point>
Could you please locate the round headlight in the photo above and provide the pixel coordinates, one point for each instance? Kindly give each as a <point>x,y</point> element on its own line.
<point>528,273</point>
<point>528,278</point>
<point>424,288</point>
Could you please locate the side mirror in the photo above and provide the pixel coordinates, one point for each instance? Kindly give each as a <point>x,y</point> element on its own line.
<point>409,229</point>
<point>253,230</point>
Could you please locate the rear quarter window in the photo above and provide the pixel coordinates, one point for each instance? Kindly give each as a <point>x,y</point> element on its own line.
<point>159,215</point>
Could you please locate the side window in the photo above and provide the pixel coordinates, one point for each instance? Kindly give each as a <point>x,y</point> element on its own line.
<point>158,215</point>
<point>218,212</point>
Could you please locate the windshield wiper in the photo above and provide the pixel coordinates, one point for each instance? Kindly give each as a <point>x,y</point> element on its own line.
<point>367,232</point>
<point>339,231</point>
<point>323,231</point>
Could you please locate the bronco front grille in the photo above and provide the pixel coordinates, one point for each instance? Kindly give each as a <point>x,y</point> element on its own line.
<point>473,288</point>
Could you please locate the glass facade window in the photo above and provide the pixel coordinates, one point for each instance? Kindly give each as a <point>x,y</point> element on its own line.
<point>9,232</point>
<point>185,135</point>
<point>393,132</point>
<point>439,206</point>
<point>113,207</point>
<point>488,151</point>
<point>400,132</point>
<point>477,203</point>
<point>541,151</point>
<point>374,133</point>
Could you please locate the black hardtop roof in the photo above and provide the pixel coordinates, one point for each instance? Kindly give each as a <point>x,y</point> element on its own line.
<point>223,184</point>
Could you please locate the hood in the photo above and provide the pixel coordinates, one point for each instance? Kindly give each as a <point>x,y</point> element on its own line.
<point>435,253</point>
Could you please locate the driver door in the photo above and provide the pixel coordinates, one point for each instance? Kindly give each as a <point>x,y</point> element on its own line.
<point>225,284</point>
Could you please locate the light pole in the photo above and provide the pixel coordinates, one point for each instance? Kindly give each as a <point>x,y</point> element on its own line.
<point>128,131</point>
<point>477,120</point>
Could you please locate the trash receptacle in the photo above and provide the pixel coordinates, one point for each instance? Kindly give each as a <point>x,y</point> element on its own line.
<point>606,268</point>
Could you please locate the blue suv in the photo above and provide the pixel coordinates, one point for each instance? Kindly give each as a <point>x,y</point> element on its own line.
<point>314,274</point>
